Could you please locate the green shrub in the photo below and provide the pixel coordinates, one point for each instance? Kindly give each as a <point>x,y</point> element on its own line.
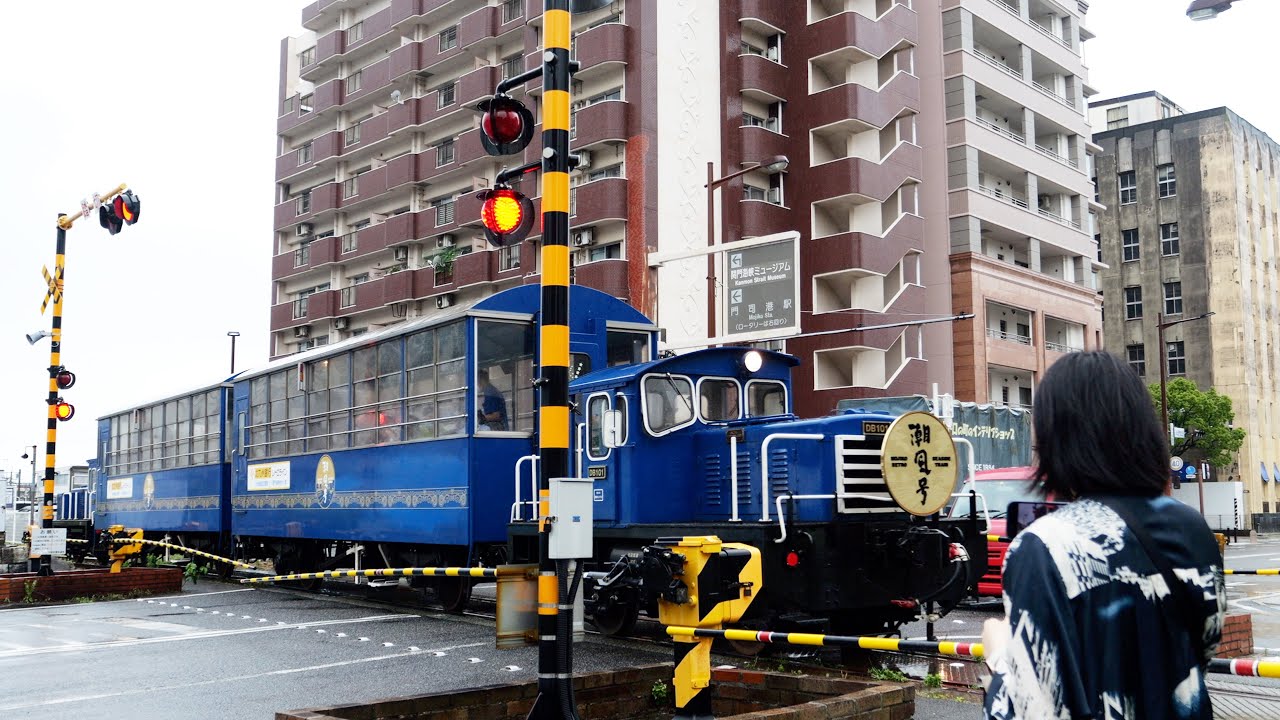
<point>933,680</point>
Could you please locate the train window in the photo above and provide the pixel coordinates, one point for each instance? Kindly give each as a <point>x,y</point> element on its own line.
<point>626,347</point>
<point>258,416</point>
<point>364,370</point>
<point>183,449</point>
<point>620,403</point>
<point>420,360</point>
<point>169,452</point>
<point>318,405</point>
<point>451,377</point>
<point>390,392</point>
<point>667,402</point>
<point>339,400</point>
<point>296,402</point>
<point>596,405</point>
<point>212,410</point>
<point>718,399</point>
<point>766,397</point>
<point>277,430</point>
<point>504,374</point>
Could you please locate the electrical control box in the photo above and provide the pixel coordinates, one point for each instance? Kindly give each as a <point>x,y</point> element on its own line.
<point>571,513</point>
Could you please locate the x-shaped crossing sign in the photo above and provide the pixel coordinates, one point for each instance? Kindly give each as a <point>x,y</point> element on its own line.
<point>55,287</point>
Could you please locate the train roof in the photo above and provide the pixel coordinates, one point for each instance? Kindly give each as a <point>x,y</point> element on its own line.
<point>710,361</point>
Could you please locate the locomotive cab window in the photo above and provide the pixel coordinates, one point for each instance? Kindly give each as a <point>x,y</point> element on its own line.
<point>627,347</point>
<point>667,403</point>
<point>504,376</point>
<point>766,397</point>
<point>596,407</point>
<point>718,399</point>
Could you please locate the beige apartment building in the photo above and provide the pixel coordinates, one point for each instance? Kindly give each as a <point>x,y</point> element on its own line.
<point>1191,228</point>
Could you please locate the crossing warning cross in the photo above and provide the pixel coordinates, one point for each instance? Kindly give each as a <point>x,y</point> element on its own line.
<point>55,287</point>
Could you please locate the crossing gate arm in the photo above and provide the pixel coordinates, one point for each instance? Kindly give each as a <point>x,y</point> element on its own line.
<point>476,572</point>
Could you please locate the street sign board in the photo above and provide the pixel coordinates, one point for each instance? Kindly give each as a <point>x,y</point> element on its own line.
<point>762,290</point>
<point>1175,463</point>
<point>1189,472</point>
<point>49,541</point>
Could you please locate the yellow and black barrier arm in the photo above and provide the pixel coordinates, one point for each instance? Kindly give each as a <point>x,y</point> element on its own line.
<point>475,572</point>
<point>1262,571</point>
<point>197,553</point>
<point>1243,667</point>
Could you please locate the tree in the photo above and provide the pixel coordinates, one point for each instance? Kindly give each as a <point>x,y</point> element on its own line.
<point>1206,416</point>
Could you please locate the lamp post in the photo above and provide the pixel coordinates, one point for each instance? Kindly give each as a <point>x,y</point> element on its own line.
<point>1208,9</point>
<point>233,335</point>
<point>777,163</point>
<point>1164,384</point>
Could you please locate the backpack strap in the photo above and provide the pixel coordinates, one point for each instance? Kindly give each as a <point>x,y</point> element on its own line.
<point>1182,600</point>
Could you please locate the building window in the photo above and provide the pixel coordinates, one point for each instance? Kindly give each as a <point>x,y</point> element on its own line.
<point>774,121</point>
<point>304,104</point>
<point>1128,188</point>
<point>1173,298</point>
<point>444,153</point>
<point>351,135</point>
<point>355,33</point>
<point>1132,303</point>
<point>749,120</point>
<point>302,203</point>
<point>606,252</point>
<point>353,82</point>
<point>1117,117</point>
<point>1177,354</point>
<point>304,154</point>
<point>1138,358</point>
<point>306,57</point>
<point>512,9</point>
<point>751,192</point>
<point>446,95</point>
<point>351,187</point>
<point>1129,244</point>
<point>512,66</point>
<point>444,210</point>
<point>350,242</point>
<point>1097,243</point>
<point>509,257</point>
<point>1169,239</point>
<point>1097,196</point>
<point>1166,181</point>
<point>613,171</point>
<point>449,38</point>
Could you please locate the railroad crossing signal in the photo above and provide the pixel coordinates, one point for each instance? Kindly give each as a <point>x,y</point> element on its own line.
<point>507,216</point>
<point>55,287</point>
<point>63,410</point>
<point>506,129</point>
<point>124,209</point>
<point>507,125</point>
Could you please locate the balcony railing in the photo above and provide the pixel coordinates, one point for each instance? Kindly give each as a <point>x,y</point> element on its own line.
<point>1005,197</point>
<point>1046,31</point>
<point>1058,218</point>
<point>1011,9</point>
<point>1011,337</point>
<point>1045,90</point>
<point>1001,66</point>
<point>1021,140</point>
<point>1059,347</point>
<point>1053,154</point>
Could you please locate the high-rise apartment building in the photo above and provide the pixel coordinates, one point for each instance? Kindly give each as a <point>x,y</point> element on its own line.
<point>1191,228</point>
<point>912,172</point>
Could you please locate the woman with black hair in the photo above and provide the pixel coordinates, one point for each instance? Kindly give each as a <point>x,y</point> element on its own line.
<point>1114,603</point>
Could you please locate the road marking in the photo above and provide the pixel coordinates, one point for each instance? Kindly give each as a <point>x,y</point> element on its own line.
<point>238,678</point>
<point>196,636</point>
<point>1254,555</point>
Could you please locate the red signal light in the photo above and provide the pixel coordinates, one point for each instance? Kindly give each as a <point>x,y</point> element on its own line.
<point>64,410</point>
<point>793,559</point>
<point>507,216</point>
<point>65,378</point>
<point>506,126</point>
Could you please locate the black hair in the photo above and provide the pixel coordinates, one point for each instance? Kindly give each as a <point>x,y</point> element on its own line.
<point>1096,430</point>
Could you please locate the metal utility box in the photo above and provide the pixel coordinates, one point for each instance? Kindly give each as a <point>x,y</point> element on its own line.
<point>571,510</point>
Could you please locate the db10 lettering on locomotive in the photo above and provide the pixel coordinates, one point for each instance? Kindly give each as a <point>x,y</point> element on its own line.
<point>414,446</point>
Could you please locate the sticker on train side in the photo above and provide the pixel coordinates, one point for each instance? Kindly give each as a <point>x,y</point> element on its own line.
<point>269,476</point>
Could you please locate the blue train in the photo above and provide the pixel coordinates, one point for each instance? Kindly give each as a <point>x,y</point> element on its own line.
<point>416,446</point>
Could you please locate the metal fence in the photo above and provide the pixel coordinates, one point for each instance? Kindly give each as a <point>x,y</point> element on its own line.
<point>1266,522</point>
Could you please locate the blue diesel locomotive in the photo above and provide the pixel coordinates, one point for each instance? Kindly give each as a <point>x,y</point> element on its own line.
<point>416,446</point>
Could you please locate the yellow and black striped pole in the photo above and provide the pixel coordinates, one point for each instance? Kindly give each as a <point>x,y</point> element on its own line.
<point>555,664</point>
<point>56,289</point>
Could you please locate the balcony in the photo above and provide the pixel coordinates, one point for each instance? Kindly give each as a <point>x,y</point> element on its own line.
<point>770,12</point>
<point>763,74</point>
<point>314,16</point>
<point>601,47</point>
<point>852,29</point>
<point>475,268</point>
<point>601,122</point>
<point>872,180</point>
<point>607,276</point>
<point>402,11</point>
<point>317,306</point>
<point>325,198</point>
<point>315,254</point>
<point>604,199</point>
<point>328,47</point>
<point>760,143</point>
<point>874,107</point>
<point>762,218</point>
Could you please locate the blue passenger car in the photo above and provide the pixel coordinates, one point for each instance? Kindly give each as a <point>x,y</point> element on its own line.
<point>402,444</point>
<point>162,469</point>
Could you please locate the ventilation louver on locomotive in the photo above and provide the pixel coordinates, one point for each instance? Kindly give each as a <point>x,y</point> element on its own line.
<point>860,484</point>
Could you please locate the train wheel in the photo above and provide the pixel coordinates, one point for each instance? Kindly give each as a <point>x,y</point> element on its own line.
<point>453,593</point>
<point>288,564</point>
<point>617,619</point>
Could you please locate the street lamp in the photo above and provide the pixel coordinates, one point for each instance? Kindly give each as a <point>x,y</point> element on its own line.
<point>1208,9</point>
<point>1164,385</point>
<point>775,164</point>
<point>31,492</point>
<point>37,336</point>
<point>233,335</point>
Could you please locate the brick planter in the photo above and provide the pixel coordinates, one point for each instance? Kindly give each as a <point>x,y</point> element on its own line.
<point>1237,637</point>
<point>83,583</point>
<point>628,695</point>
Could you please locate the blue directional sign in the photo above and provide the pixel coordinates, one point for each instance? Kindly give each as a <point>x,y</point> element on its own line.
<point>1190,472</point>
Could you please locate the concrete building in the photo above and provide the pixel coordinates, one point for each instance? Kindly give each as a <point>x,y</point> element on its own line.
<point>1136,109</point>
<point>1190,228</point>
<point>379,160</point>
<point>1012,190</point>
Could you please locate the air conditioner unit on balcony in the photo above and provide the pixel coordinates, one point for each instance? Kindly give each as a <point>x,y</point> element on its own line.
<point>303,230</point>
<point>444,301</point>
<point>774,196</point>
<point>301,331</point>
<point>445,241</point>
<point>401,254</point>
<point>584,159</point>
<point>584,237</point>
<point>341,323</point>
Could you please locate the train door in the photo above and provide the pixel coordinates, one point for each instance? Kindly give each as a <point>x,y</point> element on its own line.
<point>238,447</point>
<point>605,449</point>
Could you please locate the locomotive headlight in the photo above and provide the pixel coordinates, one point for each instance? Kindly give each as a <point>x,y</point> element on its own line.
<point>752,361</point>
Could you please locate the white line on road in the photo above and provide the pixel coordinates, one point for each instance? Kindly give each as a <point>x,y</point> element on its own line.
<point>195,636</point>
<point>1255,555</point>
<point>239,678</point>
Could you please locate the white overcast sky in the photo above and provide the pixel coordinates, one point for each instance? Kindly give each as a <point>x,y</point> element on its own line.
<point>178,99</point>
